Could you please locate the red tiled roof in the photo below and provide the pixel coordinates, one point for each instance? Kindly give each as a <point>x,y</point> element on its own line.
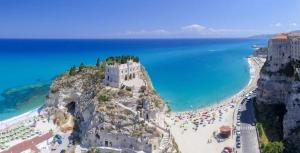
<point>28,144</point>
<point>282,36</point>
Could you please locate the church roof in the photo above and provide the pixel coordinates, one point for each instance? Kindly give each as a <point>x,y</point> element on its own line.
<point>282,36</point>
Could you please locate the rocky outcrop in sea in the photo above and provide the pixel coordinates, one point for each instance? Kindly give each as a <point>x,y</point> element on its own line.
<point>126,118</point>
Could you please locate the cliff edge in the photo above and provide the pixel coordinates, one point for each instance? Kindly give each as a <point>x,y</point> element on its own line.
<point>278,92</point>
<point>126,117</point>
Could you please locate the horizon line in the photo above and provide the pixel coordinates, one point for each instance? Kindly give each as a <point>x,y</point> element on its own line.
<point>129,38</point>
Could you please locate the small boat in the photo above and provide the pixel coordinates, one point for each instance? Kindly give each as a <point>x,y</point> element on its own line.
<point>255,46</point>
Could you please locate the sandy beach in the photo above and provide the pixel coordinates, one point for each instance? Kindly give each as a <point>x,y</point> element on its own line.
<point>20,118</point>
<point>197,139</point>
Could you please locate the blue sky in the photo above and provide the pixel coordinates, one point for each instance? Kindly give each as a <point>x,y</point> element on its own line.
<point>146,18</point>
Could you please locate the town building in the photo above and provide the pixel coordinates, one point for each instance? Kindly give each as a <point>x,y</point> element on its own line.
<point>128,74</point>
<point>283,48</point>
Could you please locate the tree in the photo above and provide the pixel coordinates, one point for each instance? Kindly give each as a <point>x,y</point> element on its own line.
<point>103,98</point>
<point>273,147</point>
<point>98,62</point>
<point>81,67</point>
<point>72,71</point>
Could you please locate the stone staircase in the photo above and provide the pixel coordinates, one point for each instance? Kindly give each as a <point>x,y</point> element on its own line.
<point>164,143</point>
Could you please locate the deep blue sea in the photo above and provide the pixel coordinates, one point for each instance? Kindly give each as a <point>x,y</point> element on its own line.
<point>187,73</point>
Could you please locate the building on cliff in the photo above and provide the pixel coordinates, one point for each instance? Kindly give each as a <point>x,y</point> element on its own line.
<point>283,48</point>
<point>127,74</point>
<point>278,87</point>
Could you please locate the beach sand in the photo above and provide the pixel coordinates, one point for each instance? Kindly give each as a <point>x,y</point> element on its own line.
<point>212,118</point>
<point>20,118</point>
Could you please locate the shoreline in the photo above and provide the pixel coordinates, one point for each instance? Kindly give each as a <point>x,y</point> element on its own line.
<point>19,118</point>
<point>34,111</point>
<point>189,137</point>
<point>227,99</point>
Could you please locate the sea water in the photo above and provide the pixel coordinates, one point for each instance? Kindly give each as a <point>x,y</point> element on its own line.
<point>187,73</point>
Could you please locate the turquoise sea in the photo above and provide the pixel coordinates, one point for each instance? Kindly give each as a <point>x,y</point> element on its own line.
<point>187,73</point>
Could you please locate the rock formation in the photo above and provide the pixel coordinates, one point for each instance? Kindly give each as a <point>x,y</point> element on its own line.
<point>126,118</point>
<point>279,84</point>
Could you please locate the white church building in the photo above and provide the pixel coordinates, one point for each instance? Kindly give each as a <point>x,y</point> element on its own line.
<point>127,74</point>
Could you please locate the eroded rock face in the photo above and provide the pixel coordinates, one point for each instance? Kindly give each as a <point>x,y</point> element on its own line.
<point>279,88</point>
<point>106,116</point>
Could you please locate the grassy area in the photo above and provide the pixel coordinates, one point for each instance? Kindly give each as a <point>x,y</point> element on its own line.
<point>269,125</point>
<point>270,117</point>
<point>263,139</point>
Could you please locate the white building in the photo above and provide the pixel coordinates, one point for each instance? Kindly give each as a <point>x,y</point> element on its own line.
<point>283,48</point>
<point>120,141</point>
<point>127,74</point>
<point>295,41</point>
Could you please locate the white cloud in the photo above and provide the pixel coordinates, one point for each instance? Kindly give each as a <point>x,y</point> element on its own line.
<point>278,24</point>
<point>201,30</point>
<point>146,32</point>
<point>214,30</point>
<point>293,24</point>
<point>193,28</point>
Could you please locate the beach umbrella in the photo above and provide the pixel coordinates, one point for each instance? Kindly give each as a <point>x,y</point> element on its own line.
<point>225,130</point>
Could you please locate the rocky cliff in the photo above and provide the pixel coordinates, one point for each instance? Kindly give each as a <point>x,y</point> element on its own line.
<point>106,116</point>
<point>282,88</point>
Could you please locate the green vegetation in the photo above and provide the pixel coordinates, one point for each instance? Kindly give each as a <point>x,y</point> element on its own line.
<point>100,65</point>
<point>270,117</point>
<point>169,107</point>
<point>101,69</point>
<point>269,126</point>
<point>73,71</point>
<point>263,139</point>
<point>121,59</point>
<point>98,62</point>
<point>175,146</point>
<point>93,150</point>
<point>128,88</point>
<point>273,147</point>
<point>81,67</point>
<point>103,98</point>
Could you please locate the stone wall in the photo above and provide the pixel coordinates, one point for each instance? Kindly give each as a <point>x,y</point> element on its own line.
<point>116,141</point>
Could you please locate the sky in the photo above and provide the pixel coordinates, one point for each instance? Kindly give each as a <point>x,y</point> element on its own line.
<point>146,18</point>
